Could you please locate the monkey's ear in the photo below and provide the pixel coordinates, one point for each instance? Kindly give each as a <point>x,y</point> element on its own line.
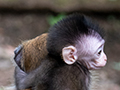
<point>69,54</point>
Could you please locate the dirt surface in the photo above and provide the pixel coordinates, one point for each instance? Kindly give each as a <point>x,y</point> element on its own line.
<point>6,66</point>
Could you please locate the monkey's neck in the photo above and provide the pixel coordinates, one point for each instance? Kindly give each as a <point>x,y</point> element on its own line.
<point>57,59</point>
<point>67,77</point>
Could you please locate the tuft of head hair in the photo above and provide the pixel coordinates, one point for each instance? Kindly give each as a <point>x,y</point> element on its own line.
<point>68,30</point>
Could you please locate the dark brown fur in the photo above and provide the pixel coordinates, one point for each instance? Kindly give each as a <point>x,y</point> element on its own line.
<point>53,73</point>
<point>33,52</point>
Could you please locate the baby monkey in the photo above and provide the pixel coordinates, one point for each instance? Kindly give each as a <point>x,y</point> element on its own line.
<point>75,46</point>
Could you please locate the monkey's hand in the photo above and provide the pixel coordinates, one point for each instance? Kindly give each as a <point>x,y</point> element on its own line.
<point>22,81</point>
<point>19,76</point>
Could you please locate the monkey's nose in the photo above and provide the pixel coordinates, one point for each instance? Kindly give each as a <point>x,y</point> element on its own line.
<point>105,59</point>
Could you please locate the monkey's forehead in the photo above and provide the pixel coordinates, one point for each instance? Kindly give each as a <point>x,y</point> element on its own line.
<point>89,44</point>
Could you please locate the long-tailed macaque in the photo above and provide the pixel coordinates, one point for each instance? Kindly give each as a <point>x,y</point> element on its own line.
<point>30,53</point>
<point>75,46</point>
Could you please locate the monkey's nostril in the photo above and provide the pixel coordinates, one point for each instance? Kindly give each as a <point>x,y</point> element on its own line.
<point>105,59</point>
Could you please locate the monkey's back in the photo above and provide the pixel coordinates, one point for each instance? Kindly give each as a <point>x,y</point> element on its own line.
<point>34,51</point>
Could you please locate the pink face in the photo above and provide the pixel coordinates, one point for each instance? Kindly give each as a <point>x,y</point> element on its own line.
<point>98,61</point>
<point>92,54</point>
<point>88,52</point>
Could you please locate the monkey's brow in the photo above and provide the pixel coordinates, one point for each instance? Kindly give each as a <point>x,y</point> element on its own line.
<point>103,43</point>
<point>100,46</point>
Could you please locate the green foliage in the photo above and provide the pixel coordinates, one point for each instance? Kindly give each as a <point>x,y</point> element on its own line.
<point>116,66</point>
<point>112,0</point>
<point>111,18</point>
<point>54,19</point>
<point>1,88</point>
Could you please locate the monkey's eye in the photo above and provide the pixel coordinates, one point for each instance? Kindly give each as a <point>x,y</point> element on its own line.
<point>99,51</point>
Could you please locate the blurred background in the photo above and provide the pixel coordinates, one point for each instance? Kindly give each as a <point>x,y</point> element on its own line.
<point>25,19</point>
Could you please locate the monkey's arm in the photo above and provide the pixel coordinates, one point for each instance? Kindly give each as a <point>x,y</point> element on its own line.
<point>37,76</point>
<point>28,56</point>
<point>19,75</point>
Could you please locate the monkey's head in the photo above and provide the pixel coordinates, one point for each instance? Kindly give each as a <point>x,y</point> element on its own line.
<point>77,39</point>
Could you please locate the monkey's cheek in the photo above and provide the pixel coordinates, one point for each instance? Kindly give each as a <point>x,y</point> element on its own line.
<point>102,64</point>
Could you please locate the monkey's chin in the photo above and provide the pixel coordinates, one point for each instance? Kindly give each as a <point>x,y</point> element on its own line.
<point>101,66</point>
<point>97,66</point>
